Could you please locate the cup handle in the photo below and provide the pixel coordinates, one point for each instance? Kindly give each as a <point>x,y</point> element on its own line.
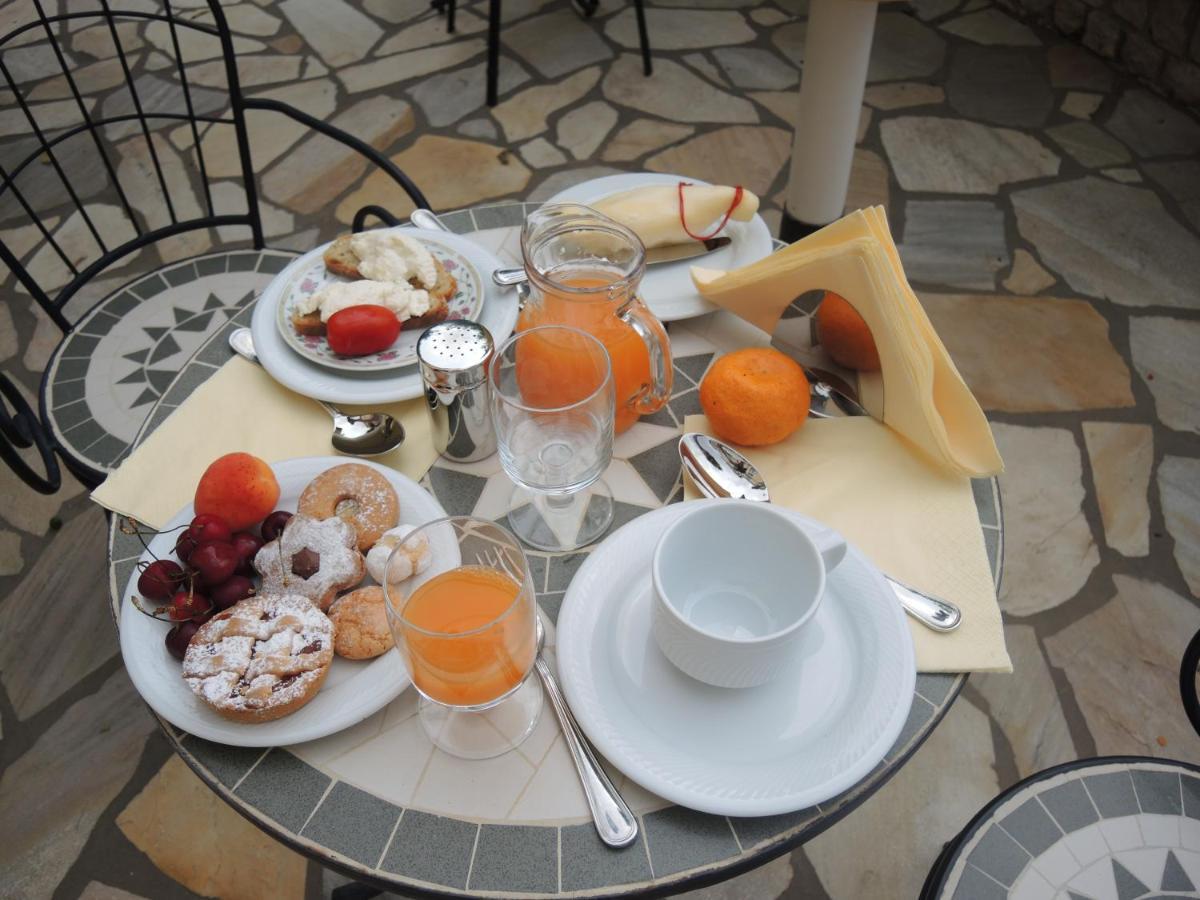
<point>831,546</point>
<point>652,397</point>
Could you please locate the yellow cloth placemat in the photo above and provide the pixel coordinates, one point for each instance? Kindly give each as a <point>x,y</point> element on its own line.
<point>242,408</point>
<point>914,520</point>
<point>919,392</point>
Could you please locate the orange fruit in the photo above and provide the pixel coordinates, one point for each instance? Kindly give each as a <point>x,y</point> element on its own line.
<point>755,396</point>
<point>845,335</point>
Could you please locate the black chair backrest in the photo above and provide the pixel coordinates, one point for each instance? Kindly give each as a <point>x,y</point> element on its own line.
<point>1188,672</point>
<point>103,160</point>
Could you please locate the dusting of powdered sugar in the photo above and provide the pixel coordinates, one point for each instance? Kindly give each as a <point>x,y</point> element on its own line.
<point>262,652</point>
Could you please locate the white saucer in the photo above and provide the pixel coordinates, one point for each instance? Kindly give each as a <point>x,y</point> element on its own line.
<point>787,745</point>
<point>667,288</point>
<point>499,316</point>
<point>352,690</point>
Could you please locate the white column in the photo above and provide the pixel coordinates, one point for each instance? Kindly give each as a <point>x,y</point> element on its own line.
<point>837,50</point>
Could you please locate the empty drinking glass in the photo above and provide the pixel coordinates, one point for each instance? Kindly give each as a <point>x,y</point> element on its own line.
<point>553,404</point>
<point>466,628</point>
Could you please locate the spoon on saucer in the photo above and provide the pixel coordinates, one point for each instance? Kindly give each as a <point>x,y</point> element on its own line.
<point>369,434</point>
<point>719,471</point>
<point>615,822</point>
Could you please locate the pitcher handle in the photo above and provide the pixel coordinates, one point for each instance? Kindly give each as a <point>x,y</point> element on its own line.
<point>654,396</point>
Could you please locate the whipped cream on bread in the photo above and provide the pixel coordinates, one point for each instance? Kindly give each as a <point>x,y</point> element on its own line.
<point>390,256</point>
<point>401,298</point>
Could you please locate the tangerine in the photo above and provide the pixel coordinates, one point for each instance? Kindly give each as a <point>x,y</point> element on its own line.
<point>755,396</point>
<point>845,335</point>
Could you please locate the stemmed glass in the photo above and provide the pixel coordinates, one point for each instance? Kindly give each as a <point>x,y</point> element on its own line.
<point>467,631</point>
<point>553,405</point>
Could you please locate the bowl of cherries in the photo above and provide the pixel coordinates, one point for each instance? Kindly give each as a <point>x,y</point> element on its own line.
<point>213,570</point>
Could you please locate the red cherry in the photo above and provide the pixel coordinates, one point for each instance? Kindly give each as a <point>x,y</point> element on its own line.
<point>239,587</point>
<point>273,524</point>
<point>179,637</point>
<point>246,545</point>
<point>160,579</point>
<point>185,544</point>
<point>187,605</point>
<point>210,527</point>
<point>214,562</point>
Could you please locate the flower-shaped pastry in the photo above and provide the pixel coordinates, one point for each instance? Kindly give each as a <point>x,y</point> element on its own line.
<point>315,558</point>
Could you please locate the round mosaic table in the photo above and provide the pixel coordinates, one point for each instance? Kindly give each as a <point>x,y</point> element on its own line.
<point>1113,828</point>
<point>379,803</point>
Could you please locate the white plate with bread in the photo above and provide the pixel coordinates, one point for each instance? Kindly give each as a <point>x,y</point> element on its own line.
<point>350,690</point>
<point>667,287</point>
<point>497,312</point>
<point>455,291</point>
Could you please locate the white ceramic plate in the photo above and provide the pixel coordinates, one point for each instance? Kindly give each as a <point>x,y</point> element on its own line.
<point>311,276</point>
<point>667,287</point>
<point>352,690</point>
<point>499,316</point>
<point>796,741</point>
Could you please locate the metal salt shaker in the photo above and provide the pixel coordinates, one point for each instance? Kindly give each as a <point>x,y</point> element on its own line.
<point>454,357</point>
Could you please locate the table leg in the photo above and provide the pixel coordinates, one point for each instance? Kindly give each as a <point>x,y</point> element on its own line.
<point>837,50</point>
<point>493,60</point>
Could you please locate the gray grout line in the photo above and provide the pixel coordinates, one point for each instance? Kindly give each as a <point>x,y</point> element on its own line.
<point>733,831</point>
<point>329,787</point>
<point>646,844</point>
<point>387,845</point>
<point>471,864</point>
<point>245,775</point>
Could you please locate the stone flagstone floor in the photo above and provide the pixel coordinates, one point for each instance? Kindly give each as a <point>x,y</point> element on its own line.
<point>1047,210</point>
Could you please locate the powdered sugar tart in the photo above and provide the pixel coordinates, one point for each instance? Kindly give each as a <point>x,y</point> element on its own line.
<point>351,691</point>
<point>311,276</point>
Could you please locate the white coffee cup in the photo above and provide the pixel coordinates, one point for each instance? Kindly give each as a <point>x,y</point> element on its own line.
<point>735,582</point>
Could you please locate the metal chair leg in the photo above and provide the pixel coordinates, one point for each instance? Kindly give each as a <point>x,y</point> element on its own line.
<point>493,60</point>
<point>643,35</point>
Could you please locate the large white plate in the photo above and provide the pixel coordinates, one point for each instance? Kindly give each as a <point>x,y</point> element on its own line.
<point>499,316</point>
<point>667,288</point>
<point>352,690</point>
<point>796,741</point>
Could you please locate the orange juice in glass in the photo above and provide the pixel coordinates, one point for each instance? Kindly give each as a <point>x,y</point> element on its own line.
<point>584,271</point>
<point>466,630</point>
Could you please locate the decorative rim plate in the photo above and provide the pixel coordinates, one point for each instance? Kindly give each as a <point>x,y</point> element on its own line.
<point>352,690</point>
<point>667,287</point>
<point>311,275</point>
<point>794,742</point>
<point>498,315</point>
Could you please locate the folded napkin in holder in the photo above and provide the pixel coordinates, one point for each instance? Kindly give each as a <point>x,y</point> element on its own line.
<point>241,408</point>
<point>926,400</point>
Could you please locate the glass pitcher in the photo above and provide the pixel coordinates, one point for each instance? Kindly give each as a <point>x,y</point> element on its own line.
<point>584,270</point>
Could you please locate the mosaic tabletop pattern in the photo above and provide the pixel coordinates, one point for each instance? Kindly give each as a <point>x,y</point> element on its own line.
<point>1104,829</point>
<point>381,803</point>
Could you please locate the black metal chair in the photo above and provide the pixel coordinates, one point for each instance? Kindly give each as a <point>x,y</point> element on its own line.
<point>587,7</point>
<point>116,356</point>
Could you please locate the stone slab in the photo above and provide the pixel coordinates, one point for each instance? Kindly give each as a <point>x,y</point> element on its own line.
<point>1121,455</point>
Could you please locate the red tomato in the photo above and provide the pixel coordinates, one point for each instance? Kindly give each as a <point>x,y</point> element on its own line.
<point>359,330</point>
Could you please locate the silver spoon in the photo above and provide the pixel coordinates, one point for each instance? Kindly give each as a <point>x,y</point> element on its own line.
<point>825,387</point>
<point>369,434</point>
<point>720,471</point>
<point>614,820</point>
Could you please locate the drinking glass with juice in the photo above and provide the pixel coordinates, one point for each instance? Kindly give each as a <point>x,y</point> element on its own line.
<point>584,271</point>
<point>467,632</point>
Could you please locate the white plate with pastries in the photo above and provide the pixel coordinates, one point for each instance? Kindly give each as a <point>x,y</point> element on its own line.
<point>352,689</point>
<point>498,315</point>
<point>667,287</point>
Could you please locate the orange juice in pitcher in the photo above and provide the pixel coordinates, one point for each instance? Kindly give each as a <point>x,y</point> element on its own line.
<point>584,270</point>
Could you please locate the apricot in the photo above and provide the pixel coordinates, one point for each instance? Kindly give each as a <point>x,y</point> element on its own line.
<point>238,487</point>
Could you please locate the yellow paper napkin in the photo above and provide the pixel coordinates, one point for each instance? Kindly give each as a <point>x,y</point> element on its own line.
<point>915,521</point>
<point>920,392</point>
<point>242,408</point>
